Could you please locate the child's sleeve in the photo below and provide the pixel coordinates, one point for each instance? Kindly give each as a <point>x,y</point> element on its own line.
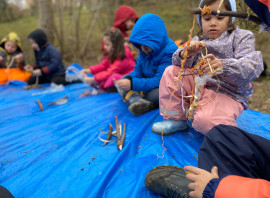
<point>148,84</point>
<point>2,64</point>
<point>137,72</point>
<point>176,60</point>
<point>55,60</point>
<point>102,66</point>
<point>118,66</point>
<point>247,64</point>
<point>237,187</point>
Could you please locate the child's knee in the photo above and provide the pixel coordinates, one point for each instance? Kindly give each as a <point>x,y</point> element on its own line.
<point>202,122</point>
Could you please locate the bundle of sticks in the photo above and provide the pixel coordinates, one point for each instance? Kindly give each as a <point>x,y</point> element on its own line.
<point>120,140</point>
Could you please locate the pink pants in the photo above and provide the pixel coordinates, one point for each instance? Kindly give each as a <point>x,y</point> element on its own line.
<point>214,108</point>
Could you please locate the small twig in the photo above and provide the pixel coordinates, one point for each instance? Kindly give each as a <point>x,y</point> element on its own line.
<point>58,101</point>
<point>40,105</point>
<point>109,134</point>
<point>118,135</point>
<point>190,74</point>
<point>232,14</point>
<point>31,86</point>
<point>121,142</point>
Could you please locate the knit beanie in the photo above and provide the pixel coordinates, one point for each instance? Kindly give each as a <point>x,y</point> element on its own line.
<point>233,8</point>
<point>39,36</point>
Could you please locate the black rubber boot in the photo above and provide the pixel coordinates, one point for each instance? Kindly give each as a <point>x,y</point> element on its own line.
<point>4,193</point>
<point>169,181</point>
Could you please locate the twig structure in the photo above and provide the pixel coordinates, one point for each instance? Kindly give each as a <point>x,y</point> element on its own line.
<point>120,140</point>
<point>231,14</point>
<point>109,134</point>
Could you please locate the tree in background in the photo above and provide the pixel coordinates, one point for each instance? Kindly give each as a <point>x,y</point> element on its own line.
<point>46,18</point>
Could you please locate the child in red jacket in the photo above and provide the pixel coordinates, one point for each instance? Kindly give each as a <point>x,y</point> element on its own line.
<point>124,20</point>
<point>117,62</point>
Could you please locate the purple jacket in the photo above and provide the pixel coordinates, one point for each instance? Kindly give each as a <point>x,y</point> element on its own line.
<point>242,64</point>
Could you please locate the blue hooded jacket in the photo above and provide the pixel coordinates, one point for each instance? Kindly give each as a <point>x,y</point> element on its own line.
<point>150,30</point>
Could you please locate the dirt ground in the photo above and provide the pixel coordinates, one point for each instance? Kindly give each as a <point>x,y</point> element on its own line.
<point>260,101</point>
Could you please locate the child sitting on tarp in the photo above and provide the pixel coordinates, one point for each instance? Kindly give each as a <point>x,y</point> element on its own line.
<point>124,20</point>
<point>11,59</point>
<point>149,35</point>
<point>223,81</point>
<point>11,55</point>
<point>48,66</point>
<point>118,61</point>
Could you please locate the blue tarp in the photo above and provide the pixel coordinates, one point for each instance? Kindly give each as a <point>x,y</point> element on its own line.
<point>57,152</point>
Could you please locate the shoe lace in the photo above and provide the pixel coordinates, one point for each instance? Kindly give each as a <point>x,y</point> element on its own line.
<point>175,192</point>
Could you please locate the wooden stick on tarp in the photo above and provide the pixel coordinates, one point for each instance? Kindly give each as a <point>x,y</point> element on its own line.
<point>232,14</point>
<point>120,143</point>
<point>118,135</point>
<point>40,105</point>
<point>109,134</point>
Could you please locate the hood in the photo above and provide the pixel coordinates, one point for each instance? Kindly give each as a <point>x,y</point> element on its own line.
<point>149,30</point>
<point>233,8</point>
<point>123,13</point>
<point>13,37</point>
<point>39,36</point>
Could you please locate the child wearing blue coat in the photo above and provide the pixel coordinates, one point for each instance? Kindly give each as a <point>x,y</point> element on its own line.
<point>48,66</point>
<point>149,35</point>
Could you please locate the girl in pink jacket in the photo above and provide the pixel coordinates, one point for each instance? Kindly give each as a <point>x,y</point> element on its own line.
<point>117,62</point>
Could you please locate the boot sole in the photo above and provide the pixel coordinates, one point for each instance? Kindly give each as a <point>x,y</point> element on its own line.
<point>164,169</point>
<point>182,130</point>
<point>139,108</point>
<point>160,173</point>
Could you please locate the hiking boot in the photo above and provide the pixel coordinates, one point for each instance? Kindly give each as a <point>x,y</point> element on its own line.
<point>169,181</point>
<point>139,106</point>
<point>136,104</point>
<point>168,127</point>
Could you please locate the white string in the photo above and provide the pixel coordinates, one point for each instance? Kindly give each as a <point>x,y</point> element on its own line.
<point>182,93</point>
<point>113,133</point>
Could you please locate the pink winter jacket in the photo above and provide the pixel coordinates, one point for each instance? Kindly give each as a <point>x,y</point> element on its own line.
<point>105,69</point>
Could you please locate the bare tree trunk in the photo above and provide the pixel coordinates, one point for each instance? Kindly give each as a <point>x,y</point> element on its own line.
<point>46,18</point>
<point>91,28</point>
<point>77,28</point>
<point>60,9</point>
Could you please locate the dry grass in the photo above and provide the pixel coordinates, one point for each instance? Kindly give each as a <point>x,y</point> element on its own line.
<point>260,101</point>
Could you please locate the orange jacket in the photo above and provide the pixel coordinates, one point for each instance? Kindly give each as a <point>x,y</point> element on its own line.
<point>13,74</point>
<point>238,187</point>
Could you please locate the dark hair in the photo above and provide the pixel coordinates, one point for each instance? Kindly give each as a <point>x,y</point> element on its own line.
<point>117,40</point>
<point>39,36</point>
<point>231,26</point>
